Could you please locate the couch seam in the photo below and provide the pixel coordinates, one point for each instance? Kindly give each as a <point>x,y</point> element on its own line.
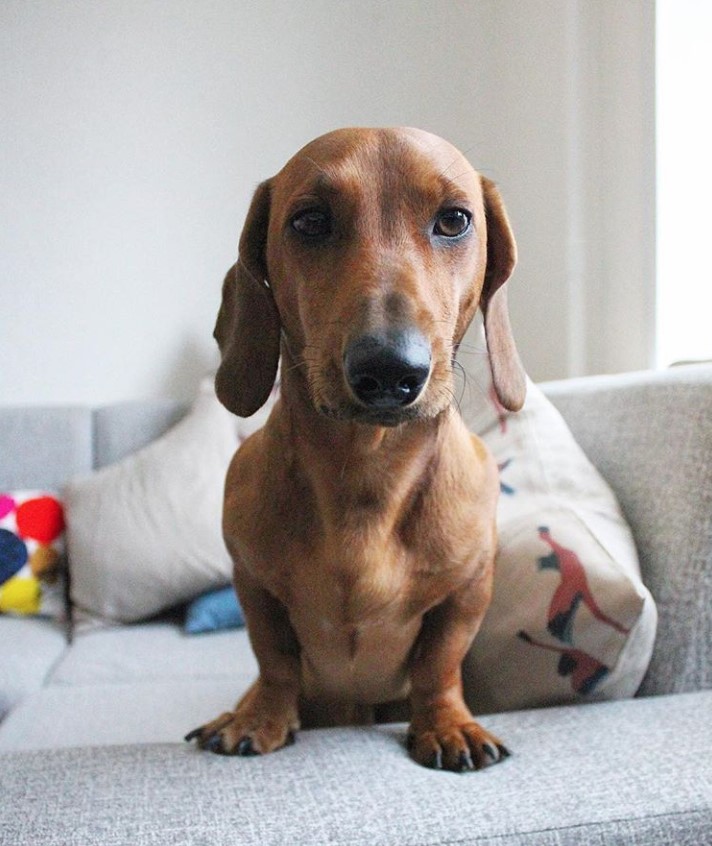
<point>573,827</point>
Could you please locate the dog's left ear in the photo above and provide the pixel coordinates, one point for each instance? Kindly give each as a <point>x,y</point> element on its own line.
<point>507,371</point>
<point>248,326</point>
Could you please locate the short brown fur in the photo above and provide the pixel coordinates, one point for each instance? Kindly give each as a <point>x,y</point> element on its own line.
<point>363,547</point>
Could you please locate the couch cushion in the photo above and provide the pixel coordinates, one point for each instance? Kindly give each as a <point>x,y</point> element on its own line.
<point>158,651</point>
<point>30,648</point>
<point>582,775</point>
<point>109,714</point>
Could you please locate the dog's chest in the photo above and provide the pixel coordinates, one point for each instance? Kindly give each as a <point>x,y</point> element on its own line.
<point>355,634</point>
<point>357,611</point>
<point>351,581</point>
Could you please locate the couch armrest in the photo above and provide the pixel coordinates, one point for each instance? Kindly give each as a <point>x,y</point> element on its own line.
<point>650,435</point>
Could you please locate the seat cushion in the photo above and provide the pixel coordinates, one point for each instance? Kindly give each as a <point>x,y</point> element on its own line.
<point>579,775</point>
<point>61,716</point>
<point>149,652</point>
<point>30,648</point>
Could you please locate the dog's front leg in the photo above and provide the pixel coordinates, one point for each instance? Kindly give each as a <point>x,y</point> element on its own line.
<point>443,733</point>
<point>267,716</point>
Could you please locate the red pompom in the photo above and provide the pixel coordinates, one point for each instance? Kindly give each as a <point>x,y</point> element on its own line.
<point>40,519</point>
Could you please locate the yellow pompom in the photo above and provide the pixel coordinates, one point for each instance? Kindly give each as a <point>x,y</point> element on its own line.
<point>20,596</point>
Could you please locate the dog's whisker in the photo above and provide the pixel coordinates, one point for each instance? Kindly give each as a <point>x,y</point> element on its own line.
<point>295,366</point>
<point>443,172</point>
<point>319,167</point>
<point>472,349</point>
<point>459,175</point>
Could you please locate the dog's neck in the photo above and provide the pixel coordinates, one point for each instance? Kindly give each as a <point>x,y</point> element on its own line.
<point>354,465</point>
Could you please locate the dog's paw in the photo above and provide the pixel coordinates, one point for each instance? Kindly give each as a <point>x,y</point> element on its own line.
<point>455,747</point>
<point>231,734</point>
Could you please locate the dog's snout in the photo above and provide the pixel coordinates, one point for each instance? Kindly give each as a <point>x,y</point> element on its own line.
<point>388,371</point>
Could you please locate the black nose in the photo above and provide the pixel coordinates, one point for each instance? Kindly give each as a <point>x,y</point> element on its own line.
<point>389,370</point>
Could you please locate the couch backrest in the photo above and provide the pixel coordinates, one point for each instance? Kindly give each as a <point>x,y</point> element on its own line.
<point>41,448</point>
<point>44,447</point>
<point>122,429</point>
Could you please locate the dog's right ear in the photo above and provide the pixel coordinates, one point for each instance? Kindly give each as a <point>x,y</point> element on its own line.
<point>248,327</point>
<point>508,375</point>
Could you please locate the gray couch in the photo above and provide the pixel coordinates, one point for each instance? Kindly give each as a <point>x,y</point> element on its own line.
<point>90,749</point>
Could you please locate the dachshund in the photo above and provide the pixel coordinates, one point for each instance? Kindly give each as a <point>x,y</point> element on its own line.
<point>361,517</point>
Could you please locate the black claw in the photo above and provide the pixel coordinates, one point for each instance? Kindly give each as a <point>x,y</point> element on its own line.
<point>490,751</point>
<point>503,752</point>
<point>291,738</point>
<point>193,734</point>
<point>436,761</point>
<point>214,744</point>
<point>465,762</point>
<point>245,748</point>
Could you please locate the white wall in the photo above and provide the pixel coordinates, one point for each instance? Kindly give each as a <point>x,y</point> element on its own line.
<point>684,132</point>
<point>570,110</point>
<point>134,133</point>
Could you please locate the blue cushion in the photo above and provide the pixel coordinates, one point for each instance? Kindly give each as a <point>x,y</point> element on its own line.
<point>214,611</point>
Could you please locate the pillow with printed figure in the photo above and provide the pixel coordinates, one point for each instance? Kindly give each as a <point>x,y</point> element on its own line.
<point>32,576</point>
<point>570,618</point>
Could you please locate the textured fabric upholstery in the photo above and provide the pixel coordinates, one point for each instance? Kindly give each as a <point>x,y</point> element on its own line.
<point>105,714</point>
<point>580,776</point>
<point>157,651</point>
<point>650,435</point>
<point>628,772</point>
<point>30,648</point>
<point>40,448</point>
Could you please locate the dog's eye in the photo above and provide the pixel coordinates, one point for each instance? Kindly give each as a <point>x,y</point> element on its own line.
<point>312,223</point>
<point>452,222</point>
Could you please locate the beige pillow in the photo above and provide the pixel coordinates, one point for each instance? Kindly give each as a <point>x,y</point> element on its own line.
<point>570,618</point>
<point>144,534</point>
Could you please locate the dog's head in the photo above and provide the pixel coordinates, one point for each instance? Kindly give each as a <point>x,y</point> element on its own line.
<point>368,254</point>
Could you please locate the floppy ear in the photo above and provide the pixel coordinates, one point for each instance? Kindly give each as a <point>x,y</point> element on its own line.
<point>248,328</point>
<point>507,371</point>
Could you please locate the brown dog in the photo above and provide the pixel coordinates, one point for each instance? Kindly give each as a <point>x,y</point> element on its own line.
<point>361,518</point>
